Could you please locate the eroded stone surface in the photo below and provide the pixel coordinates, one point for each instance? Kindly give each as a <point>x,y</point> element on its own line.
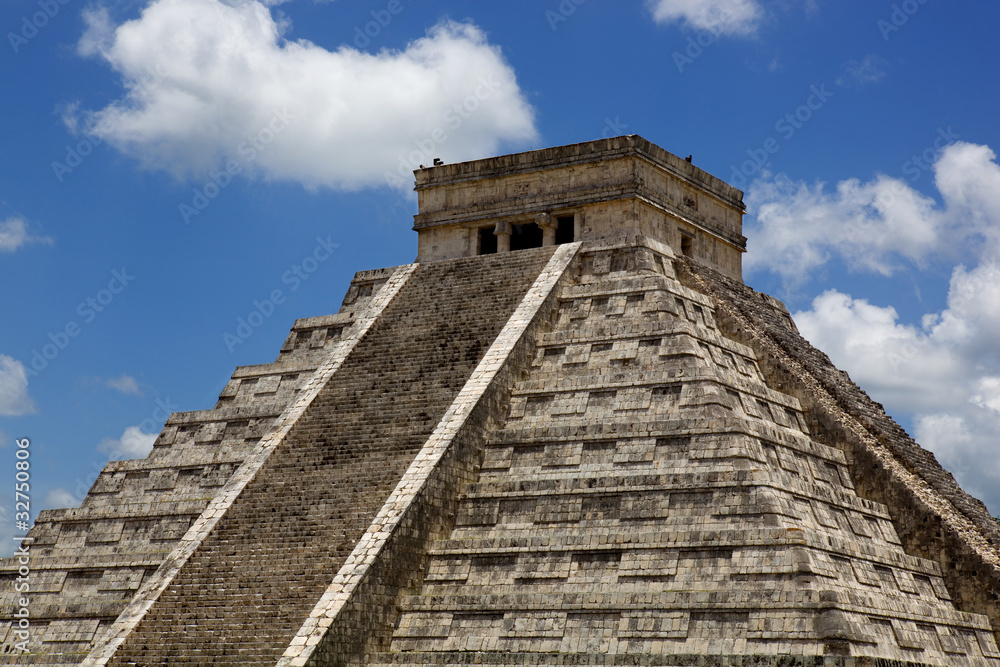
<point>651,494</point>
<point>89,562</point>
<point>612,453</point>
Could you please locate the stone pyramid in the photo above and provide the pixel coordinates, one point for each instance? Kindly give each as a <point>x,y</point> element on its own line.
<point>567,435</point>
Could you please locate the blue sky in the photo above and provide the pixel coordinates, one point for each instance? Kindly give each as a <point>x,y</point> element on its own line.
<point>169,164</point>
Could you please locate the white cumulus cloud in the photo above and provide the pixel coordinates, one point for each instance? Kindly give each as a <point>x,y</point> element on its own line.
<point>901,365</point>
<point>989,394</point>
<point>59,498</point>
<point>860,73</point>
<point>14,398</point>
<point>133,444</point>
<point>944,372</point>
<point>14,234</point>
<point>126,384</point>
<point>725,17</point>
<point>968,177</point>
<point>878,225</point>
<point>208,82</point>
<point>966,444</point>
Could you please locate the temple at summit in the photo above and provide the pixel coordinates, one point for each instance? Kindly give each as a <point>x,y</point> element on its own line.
<point>567,434</point>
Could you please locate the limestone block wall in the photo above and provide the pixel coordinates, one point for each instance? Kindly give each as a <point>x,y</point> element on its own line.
<point>89,562</point>
<point>934,517</point>
<point>355,617</point>
<point>463,190</point>
<point>606,455</point>
<point>652,497</point>
<point>623,185</point>
<point>262,561</point>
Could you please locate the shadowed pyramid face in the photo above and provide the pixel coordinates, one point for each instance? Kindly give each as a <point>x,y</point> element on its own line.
<point>606,449</point>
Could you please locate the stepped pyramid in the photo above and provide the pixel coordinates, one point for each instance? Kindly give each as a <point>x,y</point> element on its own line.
<point>567,435</point>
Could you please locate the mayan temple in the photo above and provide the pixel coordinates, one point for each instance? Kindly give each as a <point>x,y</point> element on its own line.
<point>568,434</point>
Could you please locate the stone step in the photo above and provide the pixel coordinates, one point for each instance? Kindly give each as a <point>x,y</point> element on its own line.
<point>582,658</point>
<point>631,477</point>
<point>304,511</point>
<point>257,410</point>
<point>110,556</point>
<point>598,536</point>
<point>132,510</point>
<point>681,600</point>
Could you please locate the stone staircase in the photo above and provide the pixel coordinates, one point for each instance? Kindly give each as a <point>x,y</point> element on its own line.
<point>650,500</point>
<point>250,584</point>
<point>88,562</point>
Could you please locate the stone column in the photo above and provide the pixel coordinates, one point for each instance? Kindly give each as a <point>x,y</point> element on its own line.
<point>502,232</point>
<point>548,226</point>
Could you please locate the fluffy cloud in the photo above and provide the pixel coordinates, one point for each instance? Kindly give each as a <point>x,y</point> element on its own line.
<point>876,225</point>
<point>895,362</point>
<point>133,444</point>
<point>942,373</point>
<point>945,373</point>
<point>14,398</point>
<point>126,384</point>
<point>871,225</point>
<point>7,543</point>
<point>14,234</point>
<point>721,17</point>
<point>208,82</point>
<point>966,444</point>
<point>59,498</point>
<point>968,178</point>
<point>860,73</point>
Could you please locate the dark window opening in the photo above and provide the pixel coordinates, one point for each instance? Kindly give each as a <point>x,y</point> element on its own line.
<point>528,235</point>
<point>564,229</point>
<point>619,260</point>
<point>487,241</point>
<point>687,245</point>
